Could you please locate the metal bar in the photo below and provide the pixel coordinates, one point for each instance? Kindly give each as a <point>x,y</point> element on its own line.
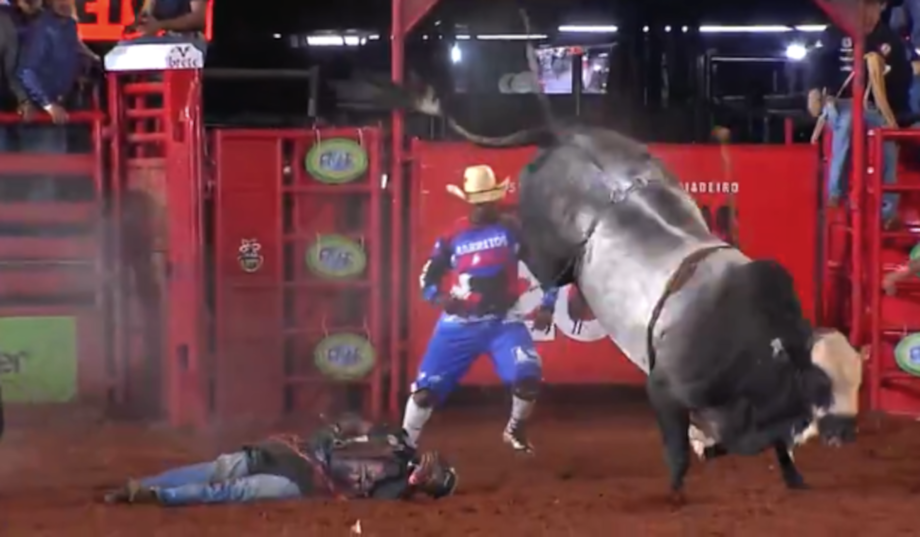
<point>398,264</point>
<point>146,137</point>
<point>375,270</point>
<point>72,117</point>
<point>52,164</point>
<point>899,134</point>
<point>223,73</point>
<point>31,213</point>
<point>900,188</point>
<point>144,113</point>
<point>142,88</point>
<point>874,176</point>
<point>857,193</point>
<point>328,190</point>
<point>120,316</point>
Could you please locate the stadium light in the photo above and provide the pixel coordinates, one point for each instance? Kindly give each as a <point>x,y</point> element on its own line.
<point>456,55</point>
<point>796,52</point>
<point>588,29</point>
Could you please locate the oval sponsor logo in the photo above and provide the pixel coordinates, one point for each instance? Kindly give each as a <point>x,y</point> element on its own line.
<point>344,357</point>
<point>335,256</point>
<point>914,254</point>
<point>907,354</point>
<point>336,161</point>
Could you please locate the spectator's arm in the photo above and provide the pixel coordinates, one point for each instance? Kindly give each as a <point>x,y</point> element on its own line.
<point>875,65</point>
<point>31,57</point>
<point>190,22</point>
<point>10,47</point>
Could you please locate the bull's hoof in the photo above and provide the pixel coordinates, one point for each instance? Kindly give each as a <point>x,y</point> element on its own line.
<point>797,484</point>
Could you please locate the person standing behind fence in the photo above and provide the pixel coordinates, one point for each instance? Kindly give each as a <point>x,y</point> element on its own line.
<point>183,17</point>
<point>9,55</point>
<point>49,64</point>
<point>905,21</point>
<point>830,94</point>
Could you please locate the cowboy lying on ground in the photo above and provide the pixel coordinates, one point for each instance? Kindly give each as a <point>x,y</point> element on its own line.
<point>351,459</point>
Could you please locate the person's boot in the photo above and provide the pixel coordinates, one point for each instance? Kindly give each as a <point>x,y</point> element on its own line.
<point>132,492</point>
<point>516,437</point>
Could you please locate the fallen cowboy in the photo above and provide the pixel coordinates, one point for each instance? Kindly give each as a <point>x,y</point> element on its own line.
<point>351,459</point>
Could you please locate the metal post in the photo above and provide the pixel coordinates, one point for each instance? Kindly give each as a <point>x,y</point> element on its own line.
<point>578,80</point>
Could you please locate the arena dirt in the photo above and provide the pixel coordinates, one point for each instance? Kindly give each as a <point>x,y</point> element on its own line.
<point>594,475</point>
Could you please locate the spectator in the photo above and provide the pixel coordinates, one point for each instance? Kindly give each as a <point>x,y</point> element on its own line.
<point>9,54</point>
<point>905,21</point>
<point>48,68</point>
<point>172,17</point>
<point>830,90</point>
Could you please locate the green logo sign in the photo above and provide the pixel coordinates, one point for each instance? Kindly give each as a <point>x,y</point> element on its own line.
<point>38,359</point>
<point>345,357</point>
<point>907,354</point>
<point>336,161</point>
<point>335,256</point>
<point>915,253</point>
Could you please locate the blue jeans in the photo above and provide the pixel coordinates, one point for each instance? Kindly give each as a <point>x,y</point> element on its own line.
<point>223,480</point>
<point>43,139</point>
<point>907,14</point>
<point>915,95</point>
<point>456,344</point>
<point>840,120</point>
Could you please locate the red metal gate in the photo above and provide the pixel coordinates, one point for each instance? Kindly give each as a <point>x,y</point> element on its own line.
<point>299,250</point>
<point>52,270</point>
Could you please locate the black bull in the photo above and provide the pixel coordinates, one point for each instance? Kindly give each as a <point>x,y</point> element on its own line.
<point>722,337</point>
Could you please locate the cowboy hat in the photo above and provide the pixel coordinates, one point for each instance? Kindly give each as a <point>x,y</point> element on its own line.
<point>480,186</point>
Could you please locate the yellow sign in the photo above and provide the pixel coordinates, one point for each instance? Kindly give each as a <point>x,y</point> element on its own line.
<point>38,359</point>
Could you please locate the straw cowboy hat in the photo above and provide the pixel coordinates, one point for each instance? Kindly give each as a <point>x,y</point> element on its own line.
<point>480,186</point>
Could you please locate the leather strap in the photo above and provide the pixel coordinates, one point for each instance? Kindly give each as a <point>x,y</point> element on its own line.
<point>681,276</point>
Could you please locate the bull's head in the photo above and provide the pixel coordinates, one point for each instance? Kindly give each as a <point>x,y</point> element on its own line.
<point>836,422</point>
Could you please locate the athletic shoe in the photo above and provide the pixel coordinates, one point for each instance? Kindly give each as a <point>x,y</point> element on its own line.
<point>516,437</point>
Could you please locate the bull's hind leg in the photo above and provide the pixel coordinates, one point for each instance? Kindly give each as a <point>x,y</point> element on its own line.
<point>791,475</point>
<point>673,421</point>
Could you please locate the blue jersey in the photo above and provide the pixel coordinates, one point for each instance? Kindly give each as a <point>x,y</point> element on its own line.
<point>480,264</point>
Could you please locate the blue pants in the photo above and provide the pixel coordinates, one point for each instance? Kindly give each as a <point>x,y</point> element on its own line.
<point>223,480</point>
<point>43,139</point>
<point>454,346</point>
<point>840,120</point>
<point>915,95</point>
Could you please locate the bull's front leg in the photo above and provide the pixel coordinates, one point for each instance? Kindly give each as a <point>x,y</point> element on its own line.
<point>791,475</point>
<point>673,421</point>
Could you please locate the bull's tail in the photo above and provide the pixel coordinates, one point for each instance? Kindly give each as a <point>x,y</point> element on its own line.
<point>533,65</point>
<point>426,101</point>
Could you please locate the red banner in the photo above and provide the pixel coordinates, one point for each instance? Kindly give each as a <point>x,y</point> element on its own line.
<point>775,200</point>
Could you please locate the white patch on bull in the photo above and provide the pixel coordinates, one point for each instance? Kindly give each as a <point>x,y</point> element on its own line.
<point>699,441</point>
<point>835,356</point>
<point>844,365</point>
<point>777,345</point>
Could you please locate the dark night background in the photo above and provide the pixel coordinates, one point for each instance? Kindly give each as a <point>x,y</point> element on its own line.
<point>246,37</point>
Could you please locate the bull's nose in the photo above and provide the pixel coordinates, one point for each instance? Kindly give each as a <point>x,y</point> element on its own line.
<point>834,442</point>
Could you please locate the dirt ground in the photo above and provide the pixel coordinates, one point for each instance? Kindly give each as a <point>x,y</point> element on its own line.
<point>597,473</point>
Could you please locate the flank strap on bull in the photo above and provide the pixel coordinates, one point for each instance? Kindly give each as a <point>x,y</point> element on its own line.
<point>676,282</point>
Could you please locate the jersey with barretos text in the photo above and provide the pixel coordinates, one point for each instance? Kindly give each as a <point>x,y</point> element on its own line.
<point>477,265</point>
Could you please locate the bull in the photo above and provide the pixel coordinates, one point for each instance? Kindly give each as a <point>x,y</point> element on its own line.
<point>733,366</point>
